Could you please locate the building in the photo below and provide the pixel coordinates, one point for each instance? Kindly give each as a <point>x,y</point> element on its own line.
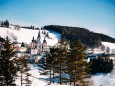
<point>38,47</point>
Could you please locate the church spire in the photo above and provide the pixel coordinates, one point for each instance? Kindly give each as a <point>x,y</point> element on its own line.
<point>33,39</point>
<point>39,34</point>
<point>44,40</point>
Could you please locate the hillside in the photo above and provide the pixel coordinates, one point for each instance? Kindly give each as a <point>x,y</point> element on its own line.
<point>86,36</point>
<point>26,35</point>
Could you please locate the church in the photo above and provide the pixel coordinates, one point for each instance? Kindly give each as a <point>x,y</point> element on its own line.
<point>38,47</point>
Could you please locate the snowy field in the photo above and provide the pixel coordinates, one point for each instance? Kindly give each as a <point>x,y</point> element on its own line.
<point>26,35</point>
<point>103,79</point>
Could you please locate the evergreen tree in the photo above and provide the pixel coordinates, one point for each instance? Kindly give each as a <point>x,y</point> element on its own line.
<point>44,32</point>
<point>8,67</point>
<point>2,39</point>
<point>47,64</point>
<point>78,69</point>
<point>6,23</point>
<point>22,45</point>
<point>101,65</point>
<point>103,48</point>
<point>56,62</point>
<point>61,60</point>
<point>108,50</point>
<point>2,23</point>
<point>23,69</point>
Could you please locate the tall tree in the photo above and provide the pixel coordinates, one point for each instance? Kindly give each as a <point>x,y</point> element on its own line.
<point>61,60</point>
<point>78,69</point>
<point>67,63</point>
<point>23,69</point>
<point>56,62</point>
<point>8,68</point>
<point>47,63</point>
<point>2,23</point>
<point>108,50</point>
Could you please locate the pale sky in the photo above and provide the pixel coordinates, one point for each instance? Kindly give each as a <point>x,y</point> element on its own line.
<point>95,15</point>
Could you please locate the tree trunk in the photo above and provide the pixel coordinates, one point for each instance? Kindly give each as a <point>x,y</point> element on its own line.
<point>21,78</point>
<point>60,72</point>
<point>53,73</point>
<point>50,76</point>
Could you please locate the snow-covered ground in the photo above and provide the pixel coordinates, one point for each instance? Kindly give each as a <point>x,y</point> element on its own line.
<point>108,44</point>
<point>36,78</point>
<point>103,79</point>
<point>26,35</point>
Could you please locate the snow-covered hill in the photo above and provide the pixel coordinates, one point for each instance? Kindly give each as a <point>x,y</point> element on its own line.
<point>26,35</point>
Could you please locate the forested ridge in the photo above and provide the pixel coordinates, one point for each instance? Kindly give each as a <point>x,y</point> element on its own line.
<point>87,37</point>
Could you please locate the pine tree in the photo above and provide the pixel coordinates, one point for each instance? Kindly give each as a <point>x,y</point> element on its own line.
<point>108,50</point>
<point>47,65</point>
<point>2,23</point>
<point>58,61</point>
<point>78,69</point>
<point>8,68</point>
<point>6,23</point>
<point>23,69</point>
<point>50,65</point>
<point>64,60</point>
<point>61,60</point>
<point>22,45</point>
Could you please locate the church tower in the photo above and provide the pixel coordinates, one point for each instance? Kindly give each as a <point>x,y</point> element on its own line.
<point>39,43</point>
<point>33,44</point>
<point>44,45</point>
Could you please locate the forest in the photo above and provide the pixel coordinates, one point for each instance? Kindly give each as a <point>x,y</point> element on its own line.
<point>87,37</point>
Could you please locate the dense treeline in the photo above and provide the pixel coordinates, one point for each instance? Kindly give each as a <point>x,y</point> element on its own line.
<point>106,38</point>
<point>87,37</point>
<point>101,65</point>
<point>4,23</point>
<point>30,27</point>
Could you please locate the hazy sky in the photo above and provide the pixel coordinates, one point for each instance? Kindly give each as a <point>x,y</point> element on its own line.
<point>95,15</point>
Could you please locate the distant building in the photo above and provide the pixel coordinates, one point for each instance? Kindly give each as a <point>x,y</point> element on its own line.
<point>38,47</point>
